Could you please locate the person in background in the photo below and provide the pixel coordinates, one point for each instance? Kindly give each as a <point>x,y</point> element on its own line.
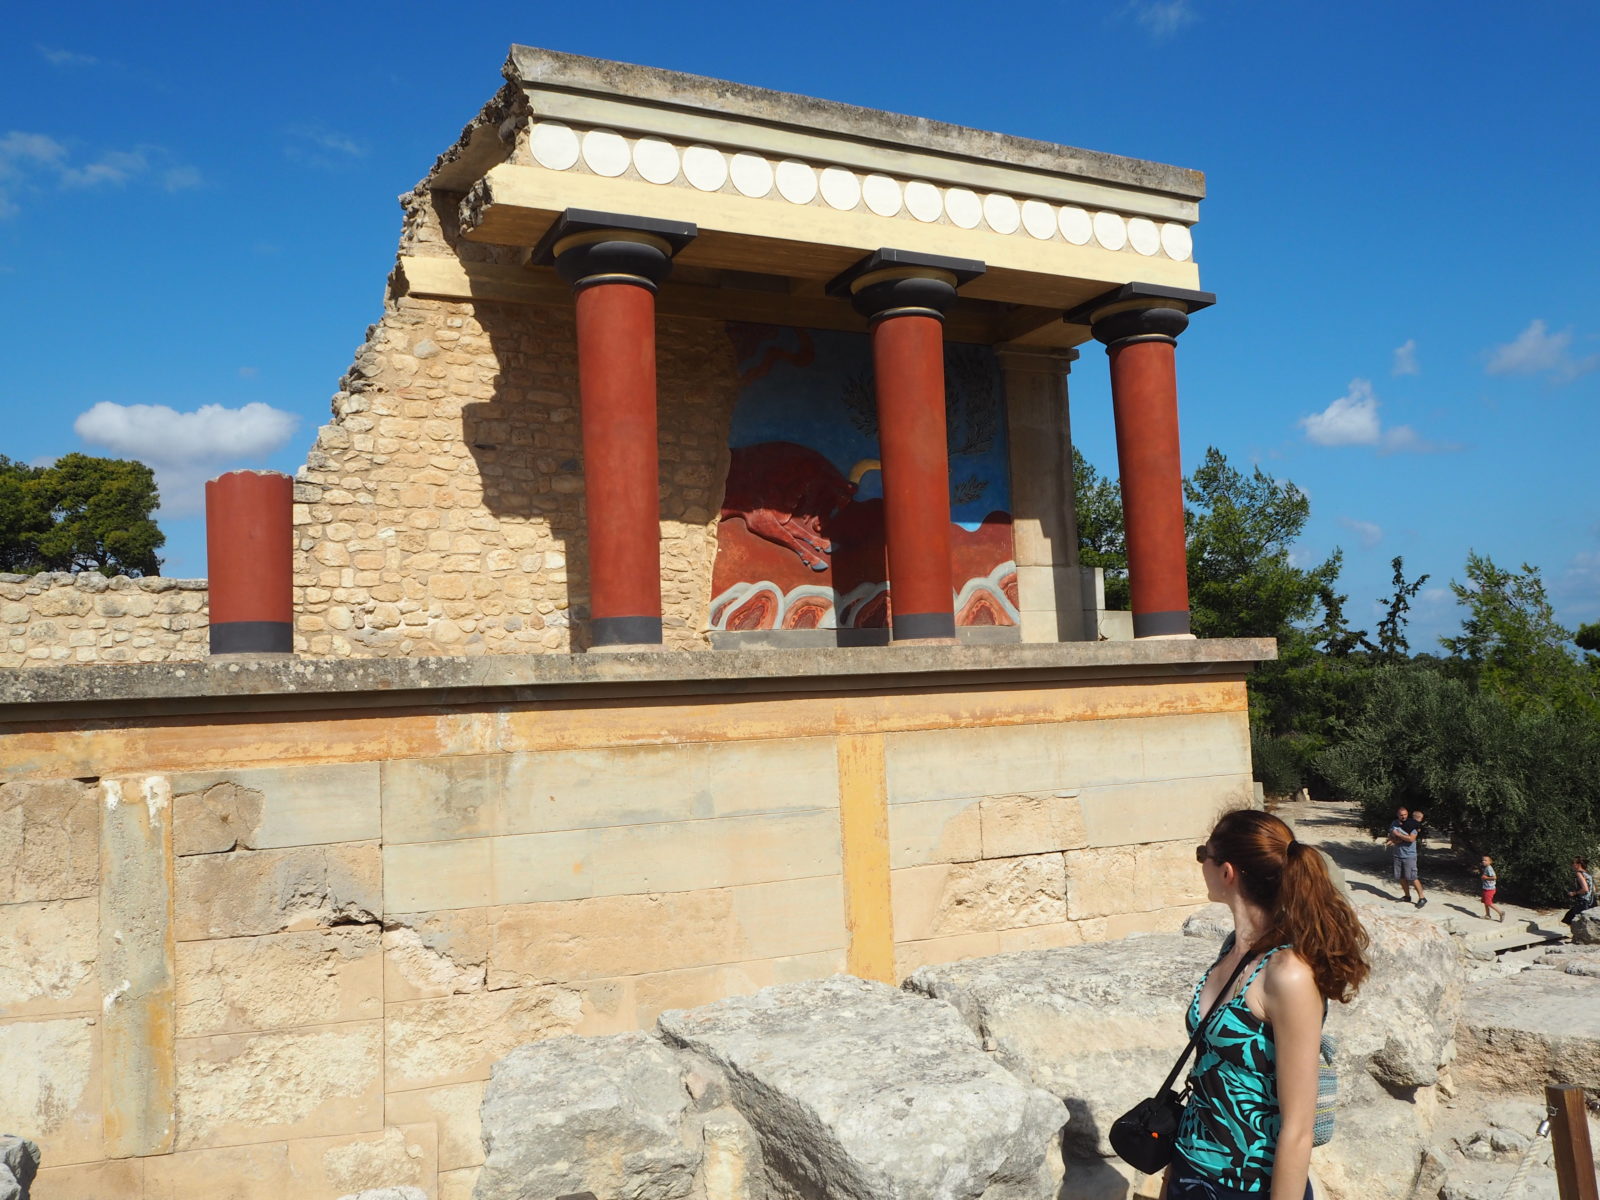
<point>1246,1132</point>
<point>1403,848</point>
<point>1414,827</point>
<point>1488,882</point>
<point>1583,894</point>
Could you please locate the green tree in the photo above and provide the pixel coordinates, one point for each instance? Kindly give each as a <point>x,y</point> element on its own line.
<point>1392,644</point>
<point>1242,580</point>
<point>1511,642</point>
<point>81,513</point>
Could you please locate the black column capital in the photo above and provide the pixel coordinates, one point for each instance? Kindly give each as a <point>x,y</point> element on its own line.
<point>1139,312</point>
<point>588,247</point>
<point>898,283</point>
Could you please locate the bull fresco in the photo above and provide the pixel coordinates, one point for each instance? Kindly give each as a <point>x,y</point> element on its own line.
<point>800,544</point>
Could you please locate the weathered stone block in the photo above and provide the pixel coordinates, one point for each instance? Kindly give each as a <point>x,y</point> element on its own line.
<point>863,1091</point>
<point>118,1179</point>
<point>49,841</point>
<point>279,981</point>
<point>1121,879</point>
<point>47,957</point>
<point>424,876</point>
<point>436,799</point>
<point>299,805</point>
<point>1031,823</point>
<point>435,954</point>
<point>983,896</point>
<point>52,1089</point>
<point>254,1172</point>
<point>934,831</point>
<point>455,1039</point>
<point>454,1110</point>
<point>386,1164</point>
<point>248,892</point>
<point>1161,810</point>
<point>235,1089</point>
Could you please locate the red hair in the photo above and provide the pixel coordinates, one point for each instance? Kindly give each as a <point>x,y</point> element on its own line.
<point>1290,881</point>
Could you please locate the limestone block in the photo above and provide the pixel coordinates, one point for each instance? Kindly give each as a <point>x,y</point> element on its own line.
<point>934,831</point>
<point>394,1163</point>
<point>772,775</point>
<point>1161,810</point>
<point>978,897</point>
<point>434,799</point>
<point>1521,1032</point>
<point>455,1039</point>
<point>235,1089</point>
<point>278,981</point>
<point>460,1184</point>
<point>599,938</point>
<point>864,1091</point>
<point>214,819</point>
<point>1031,823</point>
<point>116,1179</point>
<point>297,805</point>
<point>435,954</point>
<point>49,841</point>
<point>52,1088</point>
<point>423,876</point>
<point>454,1110</point>
<point>47,957</point>
<point>599,1115</point>
<point>255,1172</point>
<point>249,892</point>
<point>724,852</point>
<point>626,785</point>
<point>1122,879</point>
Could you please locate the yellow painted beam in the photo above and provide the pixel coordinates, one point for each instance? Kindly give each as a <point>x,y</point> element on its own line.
<point>864,831</point>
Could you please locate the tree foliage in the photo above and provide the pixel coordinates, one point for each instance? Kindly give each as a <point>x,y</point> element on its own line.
<point>1101,540</point>
<point>79,514</point>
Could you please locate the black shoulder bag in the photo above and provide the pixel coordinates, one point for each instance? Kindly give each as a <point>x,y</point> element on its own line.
<point>1143,1136</point>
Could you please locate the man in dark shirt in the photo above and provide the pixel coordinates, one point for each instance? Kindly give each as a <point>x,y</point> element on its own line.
<point>1414,828</point>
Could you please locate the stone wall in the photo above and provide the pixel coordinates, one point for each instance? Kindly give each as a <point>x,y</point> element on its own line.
<point>441,511</point>
<point>55,618</point>
<point>281,949</point>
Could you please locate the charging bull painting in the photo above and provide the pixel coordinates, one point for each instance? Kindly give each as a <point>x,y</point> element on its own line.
<point>800,544</point>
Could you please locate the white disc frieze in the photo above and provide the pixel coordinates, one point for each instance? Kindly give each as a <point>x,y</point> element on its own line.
<point>882,195</point>
<point>751,174</point>
<point>705,168</point>
<point>1039,219</point>
<point>655,160</point>
<point>963,207</point>
<point>1143,235</point>
<point>1075,226</point>
<point>553,145</point>
<point>1001,213</point>
<point>1110,230</point>
<point>1177,241</point>
<point>606,153</point>
<point>923,200</point>
<point>840,188</point>
<point>797,182</point>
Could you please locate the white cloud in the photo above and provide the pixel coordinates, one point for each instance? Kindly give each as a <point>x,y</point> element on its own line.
<point>319,146</point>
<point>1352,420</point>
<point>186,448</point>
<point>30,161</point>
<point>1368,533</point>
<point>1163,18</point>
<point>58,57</point>
<point>1405,359</point>
<point>1536,351</point>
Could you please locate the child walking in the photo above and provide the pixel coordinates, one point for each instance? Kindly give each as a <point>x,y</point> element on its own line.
<point>1488,882</point>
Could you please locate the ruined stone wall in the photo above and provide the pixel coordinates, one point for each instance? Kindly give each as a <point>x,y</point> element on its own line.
<point>441,511</point>
<point>345,917</point>
<point>55,618</point>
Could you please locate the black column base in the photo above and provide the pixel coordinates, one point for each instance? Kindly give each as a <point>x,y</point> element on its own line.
<point>906,626</point>
<point>625,631</point>
<point>253,637</point>
<point>1159,623</point>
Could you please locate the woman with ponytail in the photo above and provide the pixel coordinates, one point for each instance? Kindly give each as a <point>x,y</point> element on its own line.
<point>1246,1132</point>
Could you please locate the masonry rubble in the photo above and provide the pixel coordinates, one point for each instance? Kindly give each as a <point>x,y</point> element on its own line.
<point>57,618</point>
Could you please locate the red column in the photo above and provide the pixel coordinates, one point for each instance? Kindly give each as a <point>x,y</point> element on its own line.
<point>908,361</point>
<point>1144,397</point>
<point>1139,324</point>
<point>250,562</point>
<point>621,467</point>
<point>614,263</point>
<point>904,295</point>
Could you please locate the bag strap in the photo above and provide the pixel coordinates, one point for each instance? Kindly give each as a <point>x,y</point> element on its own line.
<point>1194,1038</point>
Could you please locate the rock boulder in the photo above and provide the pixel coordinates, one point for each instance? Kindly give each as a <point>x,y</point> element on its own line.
<point>858,1091</point>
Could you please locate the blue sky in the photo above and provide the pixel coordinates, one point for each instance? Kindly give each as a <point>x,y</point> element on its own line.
<point>197,211</point>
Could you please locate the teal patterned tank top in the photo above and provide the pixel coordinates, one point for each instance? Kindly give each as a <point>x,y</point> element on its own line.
<point>1229,1130</point>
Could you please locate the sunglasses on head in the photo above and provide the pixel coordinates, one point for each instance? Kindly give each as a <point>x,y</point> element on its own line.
<point>1202,853</point>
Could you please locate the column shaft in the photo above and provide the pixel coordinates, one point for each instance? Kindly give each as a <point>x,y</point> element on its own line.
<point>250,562</point>
<point>621,467</point>
<point>1144,394</point>
<point>908,359</point>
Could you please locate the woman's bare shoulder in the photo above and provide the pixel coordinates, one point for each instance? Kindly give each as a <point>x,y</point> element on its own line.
<point>1288,974</point>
